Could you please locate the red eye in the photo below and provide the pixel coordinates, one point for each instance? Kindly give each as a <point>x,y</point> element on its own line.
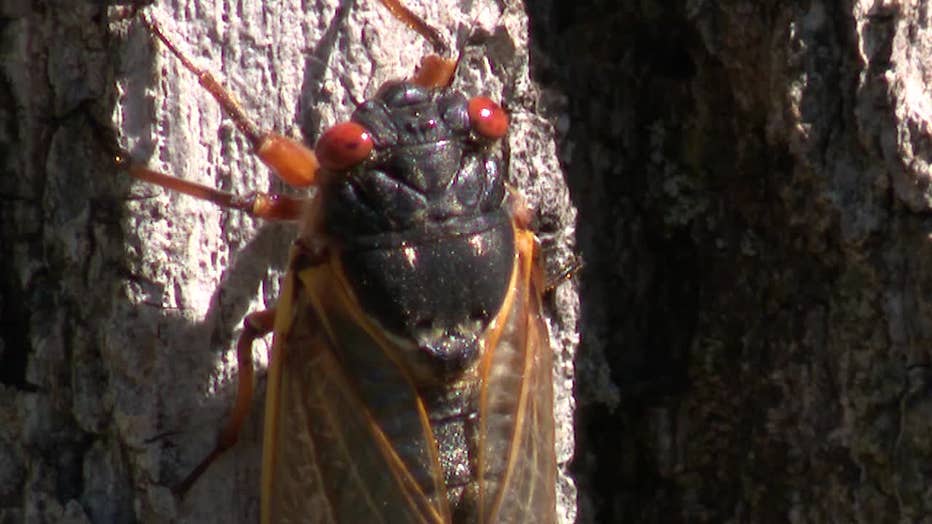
<point>343,146</point>
<point>487,117</point>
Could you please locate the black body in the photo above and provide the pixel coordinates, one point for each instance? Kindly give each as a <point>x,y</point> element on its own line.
<point>423,227</point>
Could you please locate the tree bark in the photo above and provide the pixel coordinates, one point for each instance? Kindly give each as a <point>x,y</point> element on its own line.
<point>121,302</point>
<point>753,187</point>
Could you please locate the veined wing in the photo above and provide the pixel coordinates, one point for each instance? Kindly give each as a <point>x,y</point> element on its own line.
<point>347,438</point>
<point>517,457</point>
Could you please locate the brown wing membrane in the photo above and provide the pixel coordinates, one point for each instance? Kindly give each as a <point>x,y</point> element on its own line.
<point>342,445</point>
<point>517,458</point>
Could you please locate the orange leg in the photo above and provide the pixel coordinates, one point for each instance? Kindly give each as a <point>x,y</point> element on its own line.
<point>260,205</point>
<point>417,24</point>
<point>291,160</point>
<point>294,163</point>
<point>435,70</point>
<point>256,325</point>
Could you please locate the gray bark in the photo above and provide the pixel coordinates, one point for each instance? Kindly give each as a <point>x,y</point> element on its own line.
<point>753,187</point>
<point>752,183</point>
<point>121,303</point>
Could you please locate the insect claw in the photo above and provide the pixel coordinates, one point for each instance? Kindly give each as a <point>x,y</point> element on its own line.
<point>105,136</point>
<point>567,273</point>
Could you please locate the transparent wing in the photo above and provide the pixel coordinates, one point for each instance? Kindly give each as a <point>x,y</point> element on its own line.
<point>347,439</point>
<point>517,457</point>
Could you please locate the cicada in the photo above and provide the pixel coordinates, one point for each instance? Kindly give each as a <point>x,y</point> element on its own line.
<point>411,373</point>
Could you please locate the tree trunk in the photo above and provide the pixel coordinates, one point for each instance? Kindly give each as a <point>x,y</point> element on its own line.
<point>753,187</point>
<point>121,302</point>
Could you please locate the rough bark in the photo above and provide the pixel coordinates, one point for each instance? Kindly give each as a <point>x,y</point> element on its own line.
<point>121,303</point>
<point>753,187</point>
